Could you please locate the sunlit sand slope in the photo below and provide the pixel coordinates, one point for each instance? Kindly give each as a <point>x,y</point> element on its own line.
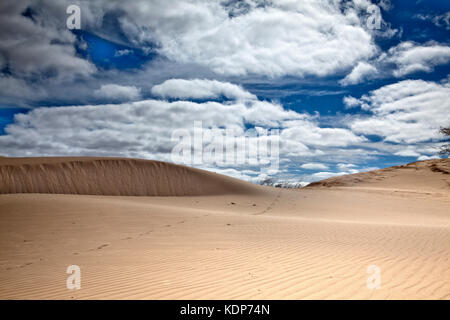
<point>422,175</point>
<point>310,243</point>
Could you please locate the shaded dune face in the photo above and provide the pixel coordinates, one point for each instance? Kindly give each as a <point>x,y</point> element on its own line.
<point>113,176</point>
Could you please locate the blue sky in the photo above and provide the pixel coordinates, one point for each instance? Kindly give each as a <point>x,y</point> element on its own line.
<point>345,97</point>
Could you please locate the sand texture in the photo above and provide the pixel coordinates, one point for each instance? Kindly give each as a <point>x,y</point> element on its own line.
<point>150,230</point>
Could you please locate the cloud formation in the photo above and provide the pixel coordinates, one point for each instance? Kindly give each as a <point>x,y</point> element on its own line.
<point>200,89</point>
<point>32,43</point>
<point>219,62</point>
<point>117,92</point>
<point>408,111</point>
<point>411,57</point>
<point>314,166</point>
<point>257,37</point>
<point>439,20</point>
<point>361,72</point>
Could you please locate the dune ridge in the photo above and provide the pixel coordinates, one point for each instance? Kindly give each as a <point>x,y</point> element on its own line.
<point>419,175</point>
<point>113,177</point>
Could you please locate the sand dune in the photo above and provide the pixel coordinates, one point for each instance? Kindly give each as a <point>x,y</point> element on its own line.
<point>112,176</point>
<point>269,243</point>
<point>422,175</point>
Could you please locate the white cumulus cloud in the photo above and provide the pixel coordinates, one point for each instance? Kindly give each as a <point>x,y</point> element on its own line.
<point>351,102</point>
<point>314,166</point>
<point>408,111</point>
<point>362,71</point>
<point>411,57</point>
<point>265,38</point>
<point>200,89</point>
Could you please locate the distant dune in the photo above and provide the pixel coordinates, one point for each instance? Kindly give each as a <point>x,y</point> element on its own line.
<point>228,240</point>
<point>113,177</point>
<point>420,175</point>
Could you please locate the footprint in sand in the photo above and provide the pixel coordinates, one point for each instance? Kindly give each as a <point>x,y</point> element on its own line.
<point>26,264</point>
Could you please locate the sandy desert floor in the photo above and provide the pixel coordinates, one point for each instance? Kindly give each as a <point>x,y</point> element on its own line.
<point>247,242</point>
